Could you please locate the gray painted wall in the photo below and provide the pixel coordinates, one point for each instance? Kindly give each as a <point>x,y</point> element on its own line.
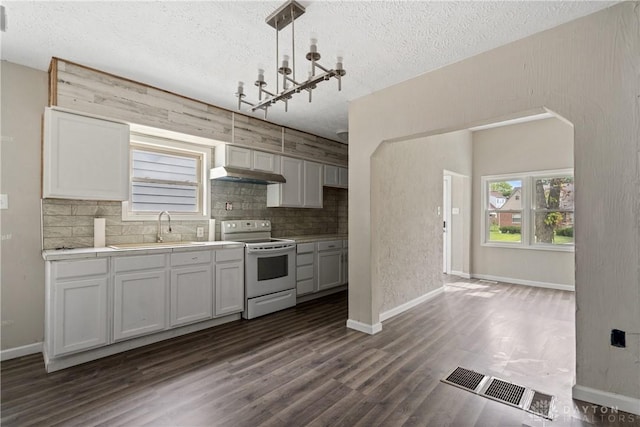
<point>586,71</point>
<point>525,147</point>
<point>24,96</point>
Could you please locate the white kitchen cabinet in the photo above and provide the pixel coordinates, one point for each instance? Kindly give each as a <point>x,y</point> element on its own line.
<point>191,287</point>
<point>76,306</point>
<point>336,176</point>
<point>303,188</point>
<point>246,158</point>
<point>305,268</point>
<point>329,262</point>
<point>229,282</point>
<point>312,185</point>
<point>140,296</point>
<point>345,261</point>
<point>84,157</point>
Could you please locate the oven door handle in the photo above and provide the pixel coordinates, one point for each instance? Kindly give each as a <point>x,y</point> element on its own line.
<point>271,250</point>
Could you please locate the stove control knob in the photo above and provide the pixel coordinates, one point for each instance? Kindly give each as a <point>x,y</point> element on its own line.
<point>263,224</point>
<point>233,225</point>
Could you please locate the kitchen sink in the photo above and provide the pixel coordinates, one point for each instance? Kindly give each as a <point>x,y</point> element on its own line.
<point>153,245</point>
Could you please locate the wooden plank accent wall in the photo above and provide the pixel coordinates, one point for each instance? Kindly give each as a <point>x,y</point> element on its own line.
<point>84,89</point>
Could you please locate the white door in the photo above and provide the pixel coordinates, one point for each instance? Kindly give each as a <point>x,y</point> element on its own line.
<point>329,269</point>
<point>446,224</point>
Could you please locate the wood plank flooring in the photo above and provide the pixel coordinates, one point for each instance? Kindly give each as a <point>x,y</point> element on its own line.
<point>302,366</point>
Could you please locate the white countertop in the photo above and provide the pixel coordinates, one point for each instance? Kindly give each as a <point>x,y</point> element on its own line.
<point>316,238</point>
<point>61,254</point>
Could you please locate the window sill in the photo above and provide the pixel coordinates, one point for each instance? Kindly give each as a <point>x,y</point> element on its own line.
<point>552,248</point>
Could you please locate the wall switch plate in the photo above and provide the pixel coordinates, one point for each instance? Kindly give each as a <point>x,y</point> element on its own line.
<point>618,338</point>
<point>455,211</point>
<point>4,201</point>
<point>199,231</point>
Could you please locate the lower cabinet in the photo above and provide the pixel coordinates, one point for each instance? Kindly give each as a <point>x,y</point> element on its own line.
<point>229,282</point>
<point>329,264</point>
<point>305,268</point>
<point>76,306</point>
<point>96,302</point>
<point>139,304</point>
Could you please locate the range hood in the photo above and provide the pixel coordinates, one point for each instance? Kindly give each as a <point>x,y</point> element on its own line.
<point>228,173</point>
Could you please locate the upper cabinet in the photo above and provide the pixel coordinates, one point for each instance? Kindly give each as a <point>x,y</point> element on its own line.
<point>336,176</point>
<point>303,188</point>
<point>84,157</point>
<point>246,158</point>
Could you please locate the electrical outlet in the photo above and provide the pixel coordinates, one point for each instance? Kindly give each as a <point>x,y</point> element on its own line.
<point>228,206</point>
<point>618,338</point>
<point>199,231</point>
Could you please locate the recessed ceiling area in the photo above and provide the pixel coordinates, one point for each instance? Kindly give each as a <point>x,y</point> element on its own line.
<point>202,49</point>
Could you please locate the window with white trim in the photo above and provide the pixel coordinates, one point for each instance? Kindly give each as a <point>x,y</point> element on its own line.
<point>167,175</point>
<point>533,210</point>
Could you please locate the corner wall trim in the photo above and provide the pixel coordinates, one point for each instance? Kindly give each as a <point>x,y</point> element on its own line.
<point>410,304</point>
<point>608,399</point>
<point>25,350</point>
<point>533,283</point>
<point>363,327</point>
<point>461,274</point>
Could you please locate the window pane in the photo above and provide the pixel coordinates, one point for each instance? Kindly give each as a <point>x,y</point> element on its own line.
<point>165,167</point>
<point>503,228</point>
<point>163,197</point>
<point>554,228</point>
<point>553,193</point>
<point>505,195</point>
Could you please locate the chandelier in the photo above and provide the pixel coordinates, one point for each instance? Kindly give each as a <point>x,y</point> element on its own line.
<point>283,16</point>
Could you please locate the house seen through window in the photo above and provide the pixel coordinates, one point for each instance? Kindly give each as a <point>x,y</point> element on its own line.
<point>535,209</point>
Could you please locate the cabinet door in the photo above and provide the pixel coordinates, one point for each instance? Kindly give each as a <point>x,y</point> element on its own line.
<point>266,162</point>
<point>345,266</point>
<point>238,157</point>
<point>312,185</point>
<point>329,269</point>
<point>80,315</point>
<point>343,178</point>
<point>139,304</point>
<point>84,157</point>
<point>229,285</point>
<point>191,294</point>
<point>292,190</point>
<point>331,175</point>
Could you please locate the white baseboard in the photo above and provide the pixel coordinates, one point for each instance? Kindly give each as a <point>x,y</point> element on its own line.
<point>605,398</point>
<point>533,283</point>
<point>363,327</point>
<point>461,274</point>
<point>25,350</point>
<point>410,304</point>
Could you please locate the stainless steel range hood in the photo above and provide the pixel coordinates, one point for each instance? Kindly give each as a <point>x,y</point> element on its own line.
<point>227,173</point>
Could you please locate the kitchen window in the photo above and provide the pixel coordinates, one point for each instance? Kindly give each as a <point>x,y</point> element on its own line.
<point>533,210</point>
<point>167,175</point>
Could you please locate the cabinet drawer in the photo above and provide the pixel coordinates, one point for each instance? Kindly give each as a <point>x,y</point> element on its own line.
<point>328,245</point>
<point>188,258</point>
<point>70,269</point>
<point>305,247</point>
<point>140,262</point>
<point>304,259</point>
<point>230,255</point>
<point>304,287</point>
<point>305,272</point>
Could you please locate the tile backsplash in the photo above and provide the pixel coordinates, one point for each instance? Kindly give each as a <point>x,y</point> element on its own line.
<point>69,223</point>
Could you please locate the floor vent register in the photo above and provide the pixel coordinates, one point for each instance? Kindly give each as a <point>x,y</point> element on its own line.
<point>515,395</point>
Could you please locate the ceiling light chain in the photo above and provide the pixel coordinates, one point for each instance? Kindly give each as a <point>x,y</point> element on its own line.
<point>283,16</point>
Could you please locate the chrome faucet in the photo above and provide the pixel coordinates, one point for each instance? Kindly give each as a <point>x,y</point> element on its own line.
<point>160,240</point>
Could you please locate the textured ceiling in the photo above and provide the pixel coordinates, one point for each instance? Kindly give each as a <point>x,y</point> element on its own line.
<point>202,49</point>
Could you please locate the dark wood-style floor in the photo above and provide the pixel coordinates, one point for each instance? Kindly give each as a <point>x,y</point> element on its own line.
<point>304,367</point>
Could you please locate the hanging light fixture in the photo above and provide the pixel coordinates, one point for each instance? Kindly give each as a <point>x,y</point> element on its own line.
<point>283,16</point>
